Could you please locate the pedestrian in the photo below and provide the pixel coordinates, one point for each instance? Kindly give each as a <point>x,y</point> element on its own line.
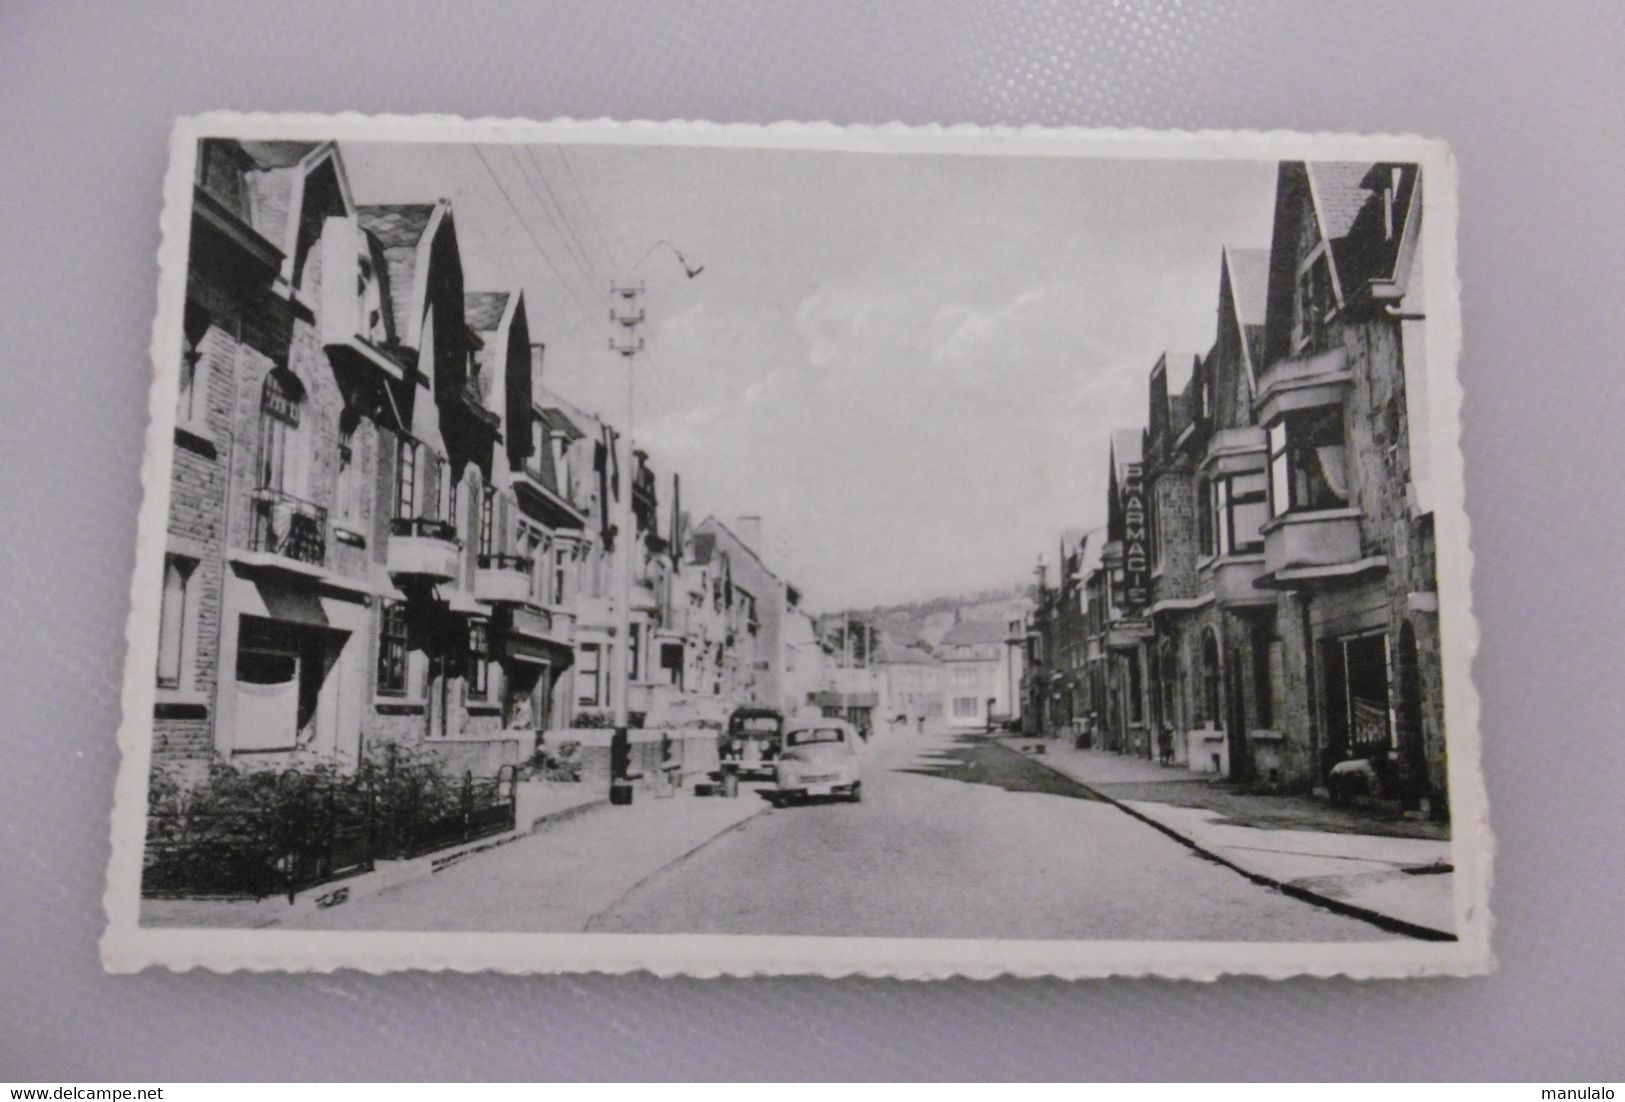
<point>1165,745</point>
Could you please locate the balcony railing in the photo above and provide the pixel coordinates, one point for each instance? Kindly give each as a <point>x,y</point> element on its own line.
<point>423,549</point>
<point>502,577</point>
<point>289,526</point>
<point>423,528</point>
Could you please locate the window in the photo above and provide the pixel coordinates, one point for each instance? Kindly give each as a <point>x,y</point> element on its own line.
<point>406,478</point>
<point>561,559</point>
<point>965,707</point>
<point>479,660</point>
<point>1312,305</point>
<point>451,501</point>
<point>488,520</point>
<point>1307,465</point>
<point>1210,679</point>
<point>1268,655</point>
<point>370,300</point>
<point>174,623</point>
<point>392,649</point>
<point>348,491</point>
<point>280,400</point>
<point>1204,519</point>
<point>589,675</point>
<point>671,663</point>
<point>1240,507</point>
<point>189,404</point>
<point>634,654</point>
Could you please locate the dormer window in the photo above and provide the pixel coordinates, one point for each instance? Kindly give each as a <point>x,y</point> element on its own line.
<point>1313,306</point>
<point>369,298</point>
<point>1308,465</point>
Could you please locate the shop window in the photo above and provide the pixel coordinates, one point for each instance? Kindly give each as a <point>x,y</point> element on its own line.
<point>392,640</point>
<point>589,675</point>
<point>479,659</point>
<point>1307,461</point>
<point>965,707</point>
<point>175,630</point>
<point>1240,506</point>
<point>1136,690</point>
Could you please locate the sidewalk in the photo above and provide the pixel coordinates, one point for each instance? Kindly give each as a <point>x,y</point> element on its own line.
<point>539,805</point>
<point>1396,872</point>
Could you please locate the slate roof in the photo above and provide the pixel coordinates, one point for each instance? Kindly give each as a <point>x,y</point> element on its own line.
<point>398,229</point>
<point>971,632</point>
<point>397,225</point>
<point>483,310</point>
<point>557,421</point>
<point>890,654</point>
<point>277,154</point>
<point>1249,282</point>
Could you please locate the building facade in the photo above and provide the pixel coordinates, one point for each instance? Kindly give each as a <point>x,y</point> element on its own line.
<point>1278,623</point>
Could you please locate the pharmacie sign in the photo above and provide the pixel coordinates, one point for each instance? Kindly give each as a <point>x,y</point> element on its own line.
<point>1136,540</point>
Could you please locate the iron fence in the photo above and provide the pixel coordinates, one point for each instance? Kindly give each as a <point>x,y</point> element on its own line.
<point>302,830</point>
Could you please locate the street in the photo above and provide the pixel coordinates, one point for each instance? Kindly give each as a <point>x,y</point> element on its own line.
<point>954,838</point>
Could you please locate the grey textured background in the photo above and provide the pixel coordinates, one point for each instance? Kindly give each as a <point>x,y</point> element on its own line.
<point>1530,95</point>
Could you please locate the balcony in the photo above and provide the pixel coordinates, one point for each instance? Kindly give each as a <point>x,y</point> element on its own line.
<point>1302,382</point>
<point>536,634</point>
<point>502,579</point>
<point>1234,581</point>
<point>289,529</point>
<point>422,549</point>
<point>1302,549</point>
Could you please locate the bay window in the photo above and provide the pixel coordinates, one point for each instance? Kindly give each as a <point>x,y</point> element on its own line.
<point>1307,461</point>
<point>1239,507</point>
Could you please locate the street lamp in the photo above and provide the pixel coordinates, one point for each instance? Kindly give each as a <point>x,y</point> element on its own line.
<point>627,312</point>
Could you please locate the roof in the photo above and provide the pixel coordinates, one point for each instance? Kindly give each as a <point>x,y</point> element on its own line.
<point>1249,282</point>
<point>1178,367</point>
<point>398,225</point>
<point>1127,447</point>
<point>975,631</point>
<point>483,310</point>
<point>1093,545</point>
<point>398,229</point>
<point>891,654</point>
<point>1340,187</point>
<point>277,154</point>
<point>557,421</point>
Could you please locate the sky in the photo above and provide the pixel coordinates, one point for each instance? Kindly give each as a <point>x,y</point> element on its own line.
<point>907,365</point>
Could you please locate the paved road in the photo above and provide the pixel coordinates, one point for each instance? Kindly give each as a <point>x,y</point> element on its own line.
<point>958,839</point>
<point>952,839</point>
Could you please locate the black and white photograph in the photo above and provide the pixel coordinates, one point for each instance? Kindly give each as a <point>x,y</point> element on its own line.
<point>747,550</point>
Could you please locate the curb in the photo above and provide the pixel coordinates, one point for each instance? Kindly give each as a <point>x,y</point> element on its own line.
<point>1365,914</point>
<point>335,894</point>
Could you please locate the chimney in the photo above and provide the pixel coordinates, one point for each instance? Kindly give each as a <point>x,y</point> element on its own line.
<point>749,529</point>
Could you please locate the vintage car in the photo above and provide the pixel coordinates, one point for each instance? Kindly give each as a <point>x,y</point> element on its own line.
<point>750,745</point>
<point>819,758</point>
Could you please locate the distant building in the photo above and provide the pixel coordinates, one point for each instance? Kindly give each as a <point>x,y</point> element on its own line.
<point>976,665</point>
<point>912,683</point>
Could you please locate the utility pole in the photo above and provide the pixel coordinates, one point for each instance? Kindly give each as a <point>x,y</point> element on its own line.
<point>627,313</point>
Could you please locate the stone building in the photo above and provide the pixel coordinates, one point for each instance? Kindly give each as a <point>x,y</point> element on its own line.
<point>976,673</point>
<point>1293,593</point>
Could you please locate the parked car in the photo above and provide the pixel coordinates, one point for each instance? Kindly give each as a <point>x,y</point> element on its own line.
<point>750,745</point>
<point>819,758</point>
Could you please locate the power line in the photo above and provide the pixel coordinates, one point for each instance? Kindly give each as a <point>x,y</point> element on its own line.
<point>586,203</point>
<point>586,314</point>
<point>563,221</point>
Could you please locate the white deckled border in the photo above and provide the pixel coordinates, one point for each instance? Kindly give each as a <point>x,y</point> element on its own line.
<point>128,947</point>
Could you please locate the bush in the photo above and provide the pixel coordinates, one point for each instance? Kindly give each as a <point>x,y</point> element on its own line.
<point>563,764</point>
